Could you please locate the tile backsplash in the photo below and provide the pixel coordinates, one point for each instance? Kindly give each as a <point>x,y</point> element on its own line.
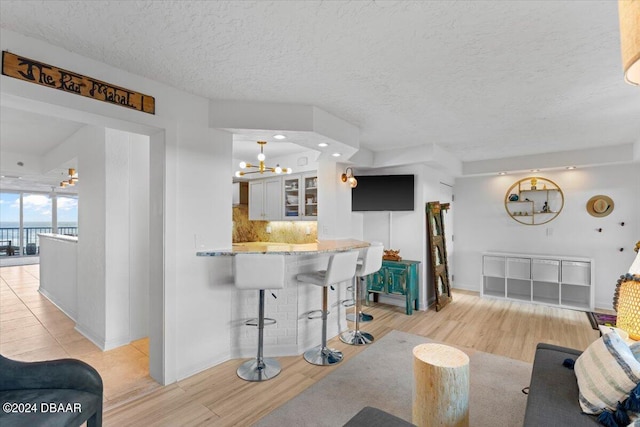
<point>281,231</point>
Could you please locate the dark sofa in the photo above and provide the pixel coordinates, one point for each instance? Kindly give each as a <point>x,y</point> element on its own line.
<point>553,392</point>
<point>53,393</point>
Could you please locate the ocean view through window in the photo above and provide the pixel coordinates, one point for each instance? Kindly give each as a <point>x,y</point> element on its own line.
<point>25,215</point>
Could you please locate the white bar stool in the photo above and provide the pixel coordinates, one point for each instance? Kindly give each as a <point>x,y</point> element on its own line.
<point>341,268</point>
<point>371,262</point>
<point>259,272</point>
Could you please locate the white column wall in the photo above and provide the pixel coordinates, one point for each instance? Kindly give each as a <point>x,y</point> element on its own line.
<point>139,237</point>
<point>204,285</point>
<point>116,238</point>
<point>482,224</point>
<point>91,273</point>
<point>334,202</point>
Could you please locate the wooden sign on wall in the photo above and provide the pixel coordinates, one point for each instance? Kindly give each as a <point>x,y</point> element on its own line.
<point>42,74</point>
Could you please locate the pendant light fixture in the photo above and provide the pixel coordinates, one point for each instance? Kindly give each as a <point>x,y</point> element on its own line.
<point>260,167</point>
<point>73,178</point>
<point>629,13</point>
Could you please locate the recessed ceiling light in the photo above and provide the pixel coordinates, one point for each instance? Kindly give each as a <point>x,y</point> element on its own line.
<point>502,173</point>
<point>535,170</point>
<point>279,136</point>
<point>336,154</point>
<point>571,167</point>
<point>323,144</point>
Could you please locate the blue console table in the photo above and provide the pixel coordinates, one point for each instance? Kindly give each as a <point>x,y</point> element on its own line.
<point>396,278</point>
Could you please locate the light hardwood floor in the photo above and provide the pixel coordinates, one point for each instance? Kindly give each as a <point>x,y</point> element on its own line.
<point>217,397</point>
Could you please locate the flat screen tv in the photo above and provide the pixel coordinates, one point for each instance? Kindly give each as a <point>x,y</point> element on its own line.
<point>383,193</point>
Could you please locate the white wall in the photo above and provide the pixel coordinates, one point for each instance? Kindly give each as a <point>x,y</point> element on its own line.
<point>334,202</point>
<point>482,224</point>
<point>113,217</point>
<point>91,273</point>
<point>138,236</point>
<point>116,237</point>
<point>204,284</point>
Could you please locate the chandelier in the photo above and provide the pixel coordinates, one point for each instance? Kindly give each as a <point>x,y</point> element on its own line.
<point>260,167</point>
<point>73,178</point>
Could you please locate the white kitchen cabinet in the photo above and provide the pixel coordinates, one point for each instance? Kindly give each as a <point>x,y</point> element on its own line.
<point>265,199</point>
<point>563,281</point>
<point>300,197</point>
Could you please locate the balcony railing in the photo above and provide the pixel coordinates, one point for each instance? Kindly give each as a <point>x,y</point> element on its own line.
<point>10,239</point>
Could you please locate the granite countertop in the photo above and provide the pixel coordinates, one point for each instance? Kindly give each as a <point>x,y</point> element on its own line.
<point>321,246</point>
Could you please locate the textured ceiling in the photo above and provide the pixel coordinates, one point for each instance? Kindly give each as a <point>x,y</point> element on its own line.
<point>483,79</point>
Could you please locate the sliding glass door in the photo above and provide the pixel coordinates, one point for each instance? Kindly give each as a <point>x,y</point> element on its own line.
<point>25,215</point>
<point>9,224</point>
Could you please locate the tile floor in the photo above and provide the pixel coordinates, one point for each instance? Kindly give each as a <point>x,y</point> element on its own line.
<point>32,328</point>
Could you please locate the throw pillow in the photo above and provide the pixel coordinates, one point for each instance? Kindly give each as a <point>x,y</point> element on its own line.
<point>635,349</point>
<point>606,371</point>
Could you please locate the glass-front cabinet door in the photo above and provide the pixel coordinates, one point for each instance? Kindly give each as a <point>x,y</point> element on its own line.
<point>292,197</point>
<point>300,197</point>
<point>310,196</point>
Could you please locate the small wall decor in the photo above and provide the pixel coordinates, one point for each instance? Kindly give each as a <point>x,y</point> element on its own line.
<point>600,206</point>
<point>534,201</point>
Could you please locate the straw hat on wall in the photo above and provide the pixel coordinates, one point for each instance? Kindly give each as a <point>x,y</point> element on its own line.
<point>600,206</point>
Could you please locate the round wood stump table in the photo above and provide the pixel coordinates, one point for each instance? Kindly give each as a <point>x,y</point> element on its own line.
<point>441,386</point>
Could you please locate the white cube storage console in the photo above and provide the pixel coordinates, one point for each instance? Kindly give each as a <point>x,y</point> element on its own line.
<point>553,280</point>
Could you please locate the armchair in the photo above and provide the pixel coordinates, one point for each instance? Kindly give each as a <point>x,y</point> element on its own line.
<point>64,392</point>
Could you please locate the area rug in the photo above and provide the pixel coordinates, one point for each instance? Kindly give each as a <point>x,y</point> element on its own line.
<point>597,319</point>
<point>382,376</point>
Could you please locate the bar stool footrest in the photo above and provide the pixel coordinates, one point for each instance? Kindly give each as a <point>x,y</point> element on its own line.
<point>267,321</point>
<point>312,315</point>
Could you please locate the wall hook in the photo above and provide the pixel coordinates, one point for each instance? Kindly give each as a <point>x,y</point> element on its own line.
<point>599,230</point>
<point>622,224</point>
<point>621,249</point>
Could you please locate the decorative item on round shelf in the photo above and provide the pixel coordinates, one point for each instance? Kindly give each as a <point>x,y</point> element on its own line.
<point>513,197</point>
<point>392,255</point>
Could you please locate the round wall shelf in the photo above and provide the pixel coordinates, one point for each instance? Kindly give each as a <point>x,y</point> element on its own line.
<point>534,200</point>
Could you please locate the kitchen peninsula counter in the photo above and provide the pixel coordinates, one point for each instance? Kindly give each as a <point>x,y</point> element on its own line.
<point>294,332</point>
<point>319,247</point>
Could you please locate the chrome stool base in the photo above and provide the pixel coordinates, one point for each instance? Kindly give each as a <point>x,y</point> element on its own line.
<point>356,338</point>
<point>250,371</point>
<point>351,317</point>
<point>323,356</point>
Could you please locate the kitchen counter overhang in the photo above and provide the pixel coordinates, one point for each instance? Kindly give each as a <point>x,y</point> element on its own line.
<point>321,246</point>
